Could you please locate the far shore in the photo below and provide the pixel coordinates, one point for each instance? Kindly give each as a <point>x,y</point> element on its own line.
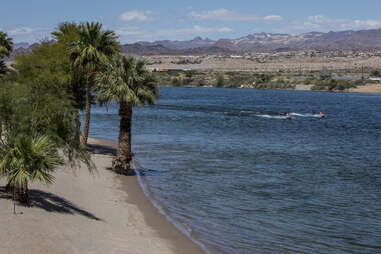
<point>83,213</point>
<point>368,88</point>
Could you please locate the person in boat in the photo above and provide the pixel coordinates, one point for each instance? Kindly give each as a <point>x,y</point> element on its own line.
<point>288,116</point>
<point>321,114</point>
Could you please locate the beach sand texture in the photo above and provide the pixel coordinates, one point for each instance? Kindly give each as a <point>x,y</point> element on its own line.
<point>82,213</point>
<point>368,88</point>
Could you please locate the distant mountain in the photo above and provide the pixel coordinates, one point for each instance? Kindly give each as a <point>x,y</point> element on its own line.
<point>197,42</point>
<point>258,42</point>
<point>21,45</point>
<point>23,49</point>
<point>264,42</point>
<point>346,40</point>
<point>139,49</point>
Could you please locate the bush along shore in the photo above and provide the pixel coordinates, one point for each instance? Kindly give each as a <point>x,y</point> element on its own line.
<point>237,79</point>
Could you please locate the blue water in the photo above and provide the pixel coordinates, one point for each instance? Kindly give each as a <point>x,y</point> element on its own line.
<point>243,179</point>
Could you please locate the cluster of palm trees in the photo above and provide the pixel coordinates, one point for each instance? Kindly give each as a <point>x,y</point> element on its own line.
<point>114,78</point>
<point>97,72</point>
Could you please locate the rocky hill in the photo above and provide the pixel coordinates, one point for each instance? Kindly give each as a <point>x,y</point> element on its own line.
<point>262,42</point>
<point>259,42</point>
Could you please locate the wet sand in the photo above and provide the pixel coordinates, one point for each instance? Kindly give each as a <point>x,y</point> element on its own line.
<point>81,213</point>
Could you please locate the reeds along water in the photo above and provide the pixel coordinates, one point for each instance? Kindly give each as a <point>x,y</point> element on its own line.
<point>242,183</point>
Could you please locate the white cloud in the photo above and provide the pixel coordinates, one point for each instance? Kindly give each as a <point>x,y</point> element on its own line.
<point>28,34</point>
<point>222,15</point>
<point>273,18</point>
<point>225,30</point>
<point>195,30</point>
<point>368,23</point>
<point>21,31</point>
<point>139,16</point>
<point>128,31</point>
<point>323,23</point>
<point>228,15</point>
<point>131,34</point>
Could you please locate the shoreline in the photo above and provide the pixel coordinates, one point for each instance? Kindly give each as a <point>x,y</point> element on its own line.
<point>367,89</point>
<point>154,216</point>
<point>89,213</point>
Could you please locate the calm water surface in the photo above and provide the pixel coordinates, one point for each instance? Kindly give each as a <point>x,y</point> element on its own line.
<point>243,179</point>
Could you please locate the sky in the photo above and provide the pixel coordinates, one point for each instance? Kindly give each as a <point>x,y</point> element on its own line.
<point>150,20</point>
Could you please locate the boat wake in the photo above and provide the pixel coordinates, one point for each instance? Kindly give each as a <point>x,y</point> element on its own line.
<point>273,117</point>
<point>305,115</point>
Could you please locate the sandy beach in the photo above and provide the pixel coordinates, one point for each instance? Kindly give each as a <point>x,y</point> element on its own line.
<point>368,88</point>
<point>81,213</point>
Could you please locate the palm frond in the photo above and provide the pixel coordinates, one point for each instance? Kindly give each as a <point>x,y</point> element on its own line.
<point>26,159</point>
<point>126,79</point>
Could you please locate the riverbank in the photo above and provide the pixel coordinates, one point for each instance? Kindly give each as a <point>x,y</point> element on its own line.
<point>368,88</point>
<point>82,213</point>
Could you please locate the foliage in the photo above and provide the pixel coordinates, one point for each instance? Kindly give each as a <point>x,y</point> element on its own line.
<point>94,49</point>
<point>126,79</point>
<point>66,35</point>
<point>47,62</point>
<point>220,82</point>
<point>335,85</point>
<point>187,61</point>
<point>26,159</point>
<point>6,47</point>
<point>376,73</point>
<point>36,122</point>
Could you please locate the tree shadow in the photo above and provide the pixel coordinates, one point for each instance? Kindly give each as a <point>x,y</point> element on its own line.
<point>50,203</point>
<point>101,149</point>
<point>129,173</point>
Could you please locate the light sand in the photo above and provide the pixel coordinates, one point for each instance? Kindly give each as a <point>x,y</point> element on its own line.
<point>102,213</point>
<point>368,88</point>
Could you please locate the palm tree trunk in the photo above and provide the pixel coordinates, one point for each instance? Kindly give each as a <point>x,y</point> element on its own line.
<point>9,187</point>
<point>123,158</point>
<point>86,126</point>
<point>78,126</point>
<point>22,193</point>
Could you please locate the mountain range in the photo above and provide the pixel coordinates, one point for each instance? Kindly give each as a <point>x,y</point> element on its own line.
<point>264,42</point>
<point>364,40</point>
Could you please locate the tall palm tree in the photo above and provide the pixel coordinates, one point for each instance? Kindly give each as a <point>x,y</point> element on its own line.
<point>89,53</point>
<point>66,34</point>
<point>26,159</point>
<point>127,82</point>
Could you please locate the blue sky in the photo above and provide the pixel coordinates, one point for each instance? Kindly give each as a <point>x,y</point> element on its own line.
<point>152,20</point>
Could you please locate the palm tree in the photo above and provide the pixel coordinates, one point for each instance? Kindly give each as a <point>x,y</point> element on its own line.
<point>127,82</point>
<point>25,159</point>
<point>89,53</point>
<point>6,47</point>
<point>66,34</point>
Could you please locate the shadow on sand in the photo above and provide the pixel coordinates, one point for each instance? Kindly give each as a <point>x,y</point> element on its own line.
<point>50,203</point>
<point>101,149</point>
